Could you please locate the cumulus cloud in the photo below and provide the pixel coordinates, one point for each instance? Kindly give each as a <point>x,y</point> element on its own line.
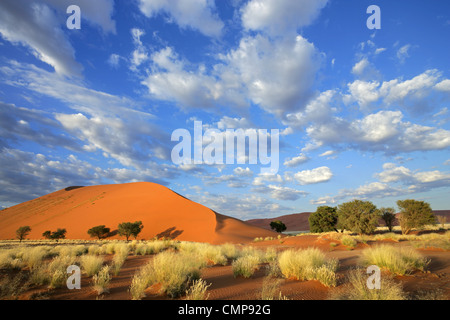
<point>278,17</point>
<point>394,181</point>
<point>296,161</point>
<point>277,75</point>
<point>317,175</point>
<point>383,131</point>
<point>197,15</point>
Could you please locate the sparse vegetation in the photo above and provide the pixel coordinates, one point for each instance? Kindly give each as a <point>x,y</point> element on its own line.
<point>398,260</point>
<point>55,235</point>
<point>197,291</point>
<point>356,288</point>
<point>91,264</point>
<point>245,266</point>
<point>101,280</point>
<point>308,264</point>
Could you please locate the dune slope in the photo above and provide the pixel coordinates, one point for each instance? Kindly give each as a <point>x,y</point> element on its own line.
<point>163,213</point>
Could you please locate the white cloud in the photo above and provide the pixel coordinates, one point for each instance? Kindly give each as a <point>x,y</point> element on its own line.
<point>277,75</point>
<point>403,53</point>
<point>318,110</point>
<point>243,172</point>
<point>278,17</point>
<point>444,85</point>
<point>394,181</point>
<point>295,161</point>
<point>327,153</point>
<point>140,54</point>
<point>317,175</point>
<point>383,131</point>
<point>280,192</point>
<point>37,27</point>
<point>194,14</point>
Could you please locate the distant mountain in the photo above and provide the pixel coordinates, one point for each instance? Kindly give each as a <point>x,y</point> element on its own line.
<point>299,221</point>
<point>293,222</point>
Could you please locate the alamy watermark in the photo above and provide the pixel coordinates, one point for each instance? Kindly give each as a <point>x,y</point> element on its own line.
<point>232,146</point>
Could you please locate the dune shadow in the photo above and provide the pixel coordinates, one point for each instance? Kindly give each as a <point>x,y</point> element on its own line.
<point>170,233</point>
<point>73,188</point>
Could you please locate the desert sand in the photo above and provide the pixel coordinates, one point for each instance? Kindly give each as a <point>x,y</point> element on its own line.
<point>163,213</point>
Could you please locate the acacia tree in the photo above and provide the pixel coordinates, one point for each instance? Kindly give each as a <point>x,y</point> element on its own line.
<point>55,235</point>
<point>414,214</point>
<point>323,220</point>
<point>128,229</point>
<point>358,216</point>
<point>99,231</point>
<point>388,216</point>
<point>22,232</point>
<point>278,226</point>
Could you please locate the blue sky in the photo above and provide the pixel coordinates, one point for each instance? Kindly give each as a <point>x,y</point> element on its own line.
<point>363,114</point>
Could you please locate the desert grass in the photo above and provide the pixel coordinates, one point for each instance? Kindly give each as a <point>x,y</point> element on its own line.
<point>119,258</point>
<point>349,241</point>
<point>245,266</point>
<point>12,287</point>
<point>101,280</point>
<point>270,289</point>
<point>398,260</point>
<point>357,289</point>
<point>308,264</point>
<point>198,290</point>
<point>91,264</point>
<point>173,271</point>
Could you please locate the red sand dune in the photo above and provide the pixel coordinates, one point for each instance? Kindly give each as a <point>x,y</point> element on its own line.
<point>163,213</point>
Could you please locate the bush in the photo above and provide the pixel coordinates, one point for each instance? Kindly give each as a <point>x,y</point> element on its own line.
<point>401,260</point>
<point>308,264</point>
<point>323,220</point>
<point>414,214</point>
<point>358,216</point>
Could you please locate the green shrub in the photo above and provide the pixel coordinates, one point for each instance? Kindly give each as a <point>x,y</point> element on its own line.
<point>245,266</point>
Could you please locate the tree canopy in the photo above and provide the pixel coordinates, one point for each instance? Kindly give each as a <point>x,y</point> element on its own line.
<point>323,220</point>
